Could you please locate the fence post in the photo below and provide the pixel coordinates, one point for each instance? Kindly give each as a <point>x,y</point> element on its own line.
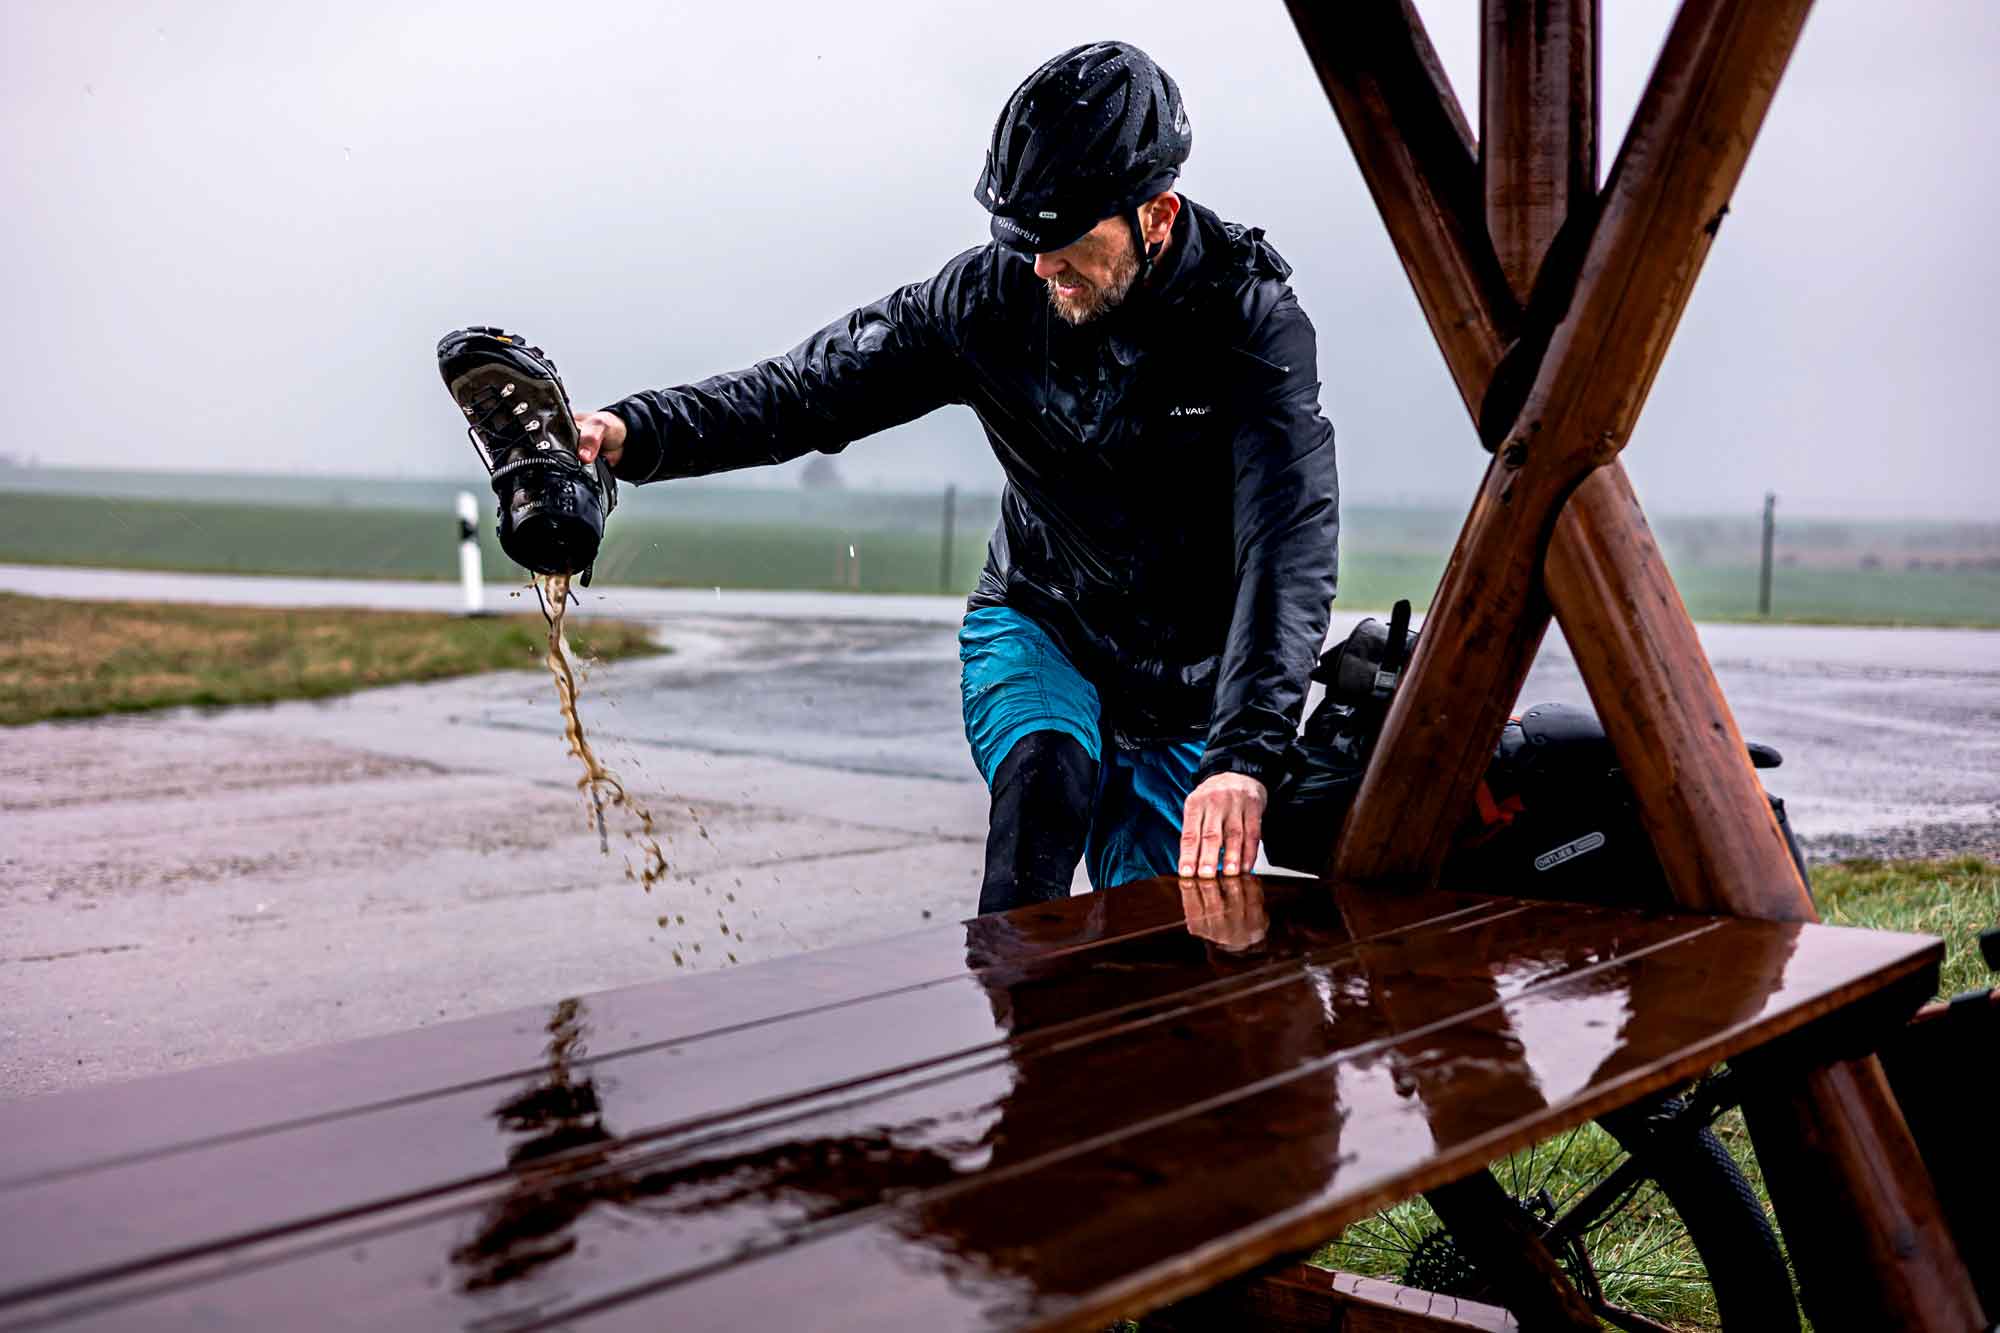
<point>470,576</point>
<point>1770,532</point>
<point>944,553</point>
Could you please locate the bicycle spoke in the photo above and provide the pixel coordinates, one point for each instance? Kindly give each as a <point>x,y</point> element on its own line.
<point>1395,1226</point>
<point>1569,1141</point>
<point>1602,1201</point>
<point>1636,1206</point>
<point>1587,1183</point>
<point>1381,1230</point>
<point>1388,1238</point>
<point>1367,1230</point>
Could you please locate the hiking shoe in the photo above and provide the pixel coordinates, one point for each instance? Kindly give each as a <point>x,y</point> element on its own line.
<point>552,506</point>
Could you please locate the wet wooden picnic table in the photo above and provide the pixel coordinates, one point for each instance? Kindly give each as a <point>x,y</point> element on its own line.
<point>1040,1120</point>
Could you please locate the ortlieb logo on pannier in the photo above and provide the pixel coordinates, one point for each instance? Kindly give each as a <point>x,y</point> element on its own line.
<point>1569,851</point>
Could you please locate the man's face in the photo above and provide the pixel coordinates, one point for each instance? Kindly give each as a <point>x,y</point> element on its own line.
<point>1092,274</point>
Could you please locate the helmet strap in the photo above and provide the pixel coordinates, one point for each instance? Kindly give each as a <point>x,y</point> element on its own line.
<point>1139,244</point>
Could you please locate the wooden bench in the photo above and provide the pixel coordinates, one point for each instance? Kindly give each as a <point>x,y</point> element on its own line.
<point>1048,1120</point>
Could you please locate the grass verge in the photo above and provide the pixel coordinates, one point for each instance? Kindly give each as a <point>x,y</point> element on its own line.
<point>1953,899</point>
<point>1643,1255</point>
<point>63,659</point>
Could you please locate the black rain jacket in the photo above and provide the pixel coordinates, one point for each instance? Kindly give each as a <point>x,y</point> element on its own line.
<point>1171,512</point>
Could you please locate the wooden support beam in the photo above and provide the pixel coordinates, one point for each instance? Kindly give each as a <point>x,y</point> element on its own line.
<point>1889,1251</point>
<point>1637,649</point>
<point>1634,643</point>
<point>1414,148</point>
<point>1868,1238</point>
<point>1538,126</point>
<point>1689,140</point>
<point>1674,733</point>
<point>1926,1064</point>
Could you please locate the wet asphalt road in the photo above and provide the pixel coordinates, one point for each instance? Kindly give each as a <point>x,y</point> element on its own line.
<point>1891,738</point>
<point>185,888</point>
<point>848,697</point>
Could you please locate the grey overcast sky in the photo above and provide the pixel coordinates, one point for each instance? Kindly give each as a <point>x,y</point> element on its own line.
<point>235,230</point>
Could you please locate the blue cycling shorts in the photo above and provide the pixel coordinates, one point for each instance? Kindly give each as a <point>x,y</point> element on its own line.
<point>1015,680</point>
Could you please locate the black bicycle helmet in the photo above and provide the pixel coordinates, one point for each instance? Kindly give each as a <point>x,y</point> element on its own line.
<point>1093,133</point>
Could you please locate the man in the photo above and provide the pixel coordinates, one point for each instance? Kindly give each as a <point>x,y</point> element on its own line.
<point>1137,649</point>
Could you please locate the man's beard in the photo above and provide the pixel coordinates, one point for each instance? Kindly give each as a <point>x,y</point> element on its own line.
<point>1096,300</point>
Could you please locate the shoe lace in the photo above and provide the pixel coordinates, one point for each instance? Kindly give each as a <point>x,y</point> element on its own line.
<point>495,415</point>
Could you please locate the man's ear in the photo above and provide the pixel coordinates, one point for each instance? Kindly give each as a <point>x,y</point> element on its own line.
<point>1158,214</point>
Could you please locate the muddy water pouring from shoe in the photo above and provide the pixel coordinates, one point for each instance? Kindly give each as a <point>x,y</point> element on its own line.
<point>599,783</point>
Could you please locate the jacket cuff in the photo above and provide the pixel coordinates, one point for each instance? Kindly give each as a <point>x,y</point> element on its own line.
<point>1252,764</point>
<point>640,460</point>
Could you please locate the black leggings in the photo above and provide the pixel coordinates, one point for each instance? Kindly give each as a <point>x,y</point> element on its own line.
<point>1043,793</point>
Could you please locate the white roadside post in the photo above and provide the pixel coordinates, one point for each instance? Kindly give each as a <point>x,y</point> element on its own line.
<point>468,555</point>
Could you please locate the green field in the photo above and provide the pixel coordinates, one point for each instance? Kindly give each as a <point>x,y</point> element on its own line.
<point>689,537</point>
<point>1836,596</point>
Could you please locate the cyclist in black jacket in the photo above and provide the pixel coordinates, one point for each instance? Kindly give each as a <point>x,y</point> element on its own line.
<point>1136,651</point>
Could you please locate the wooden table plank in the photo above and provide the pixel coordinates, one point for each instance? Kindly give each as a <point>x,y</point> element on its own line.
<point>1101,1154</point>
<point>77,1129</point>
<point>1115,948</point>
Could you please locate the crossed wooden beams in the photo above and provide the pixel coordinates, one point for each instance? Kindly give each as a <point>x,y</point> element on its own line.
<point>1553,302</point>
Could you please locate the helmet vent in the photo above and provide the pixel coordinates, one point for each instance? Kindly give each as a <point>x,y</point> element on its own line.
<point>1089,135</point>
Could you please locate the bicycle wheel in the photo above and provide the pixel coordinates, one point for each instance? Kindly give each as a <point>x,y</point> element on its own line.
<point>1647,1212</point>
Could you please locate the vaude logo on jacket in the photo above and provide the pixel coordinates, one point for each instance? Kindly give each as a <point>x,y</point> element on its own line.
<point>1201,411</point>
<point>1569,851</point>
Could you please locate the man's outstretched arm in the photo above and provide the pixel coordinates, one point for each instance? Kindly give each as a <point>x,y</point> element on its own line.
<point>881,365</point>
<point>1287,512</point>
